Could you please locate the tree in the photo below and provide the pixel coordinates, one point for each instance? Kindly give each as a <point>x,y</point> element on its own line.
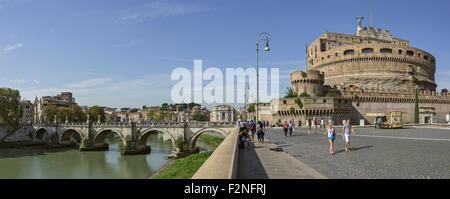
<point>200,117</point>
<point>94,112</point>
<point>168,116</point>
<point>292,110</point>
<point>251,108</point>
<point>111,118</point>
<point>416,108</point>
<point>49,112</point>
<point>160,116</point>
<point>78,114</point>
<point>304,94</point>
<point>290,93</point>
<point>298,101</point>
<point>151,114</point>
<point>62,113</point>
<point>318,94</point>
<point>10,110</point>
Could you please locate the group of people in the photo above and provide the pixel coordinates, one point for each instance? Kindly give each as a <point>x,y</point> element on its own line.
<point>247,132</point>
<point>346,134</point>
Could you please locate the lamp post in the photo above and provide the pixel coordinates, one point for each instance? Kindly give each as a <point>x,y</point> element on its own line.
<point>264,36</point>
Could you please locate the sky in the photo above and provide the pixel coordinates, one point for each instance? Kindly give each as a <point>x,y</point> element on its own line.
<point>121,53</point>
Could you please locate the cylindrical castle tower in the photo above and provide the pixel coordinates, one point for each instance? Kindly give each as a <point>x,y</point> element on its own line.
<point>371,60</point>
<point>310,82</point>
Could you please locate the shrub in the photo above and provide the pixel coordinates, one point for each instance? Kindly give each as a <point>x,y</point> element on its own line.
<point>298,101</point>
<point>292,110</point>
<point>304,75</point>
<point>304,94</point>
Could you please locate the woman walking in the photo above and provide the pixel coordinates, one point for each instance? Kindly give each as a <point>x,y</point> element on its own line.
<point>285,128</point>
<point>291,127</point>
<point>260,132</point>
<point>331,136</point>
<point>308,124</point>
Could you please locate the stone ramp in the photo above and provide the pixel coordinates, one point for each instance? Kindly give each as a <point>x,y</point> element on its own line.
<point>259,162</point>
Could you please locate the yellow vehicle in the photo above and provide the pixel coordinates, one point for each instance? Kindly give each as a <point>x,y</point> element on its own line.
<point>389,120</point>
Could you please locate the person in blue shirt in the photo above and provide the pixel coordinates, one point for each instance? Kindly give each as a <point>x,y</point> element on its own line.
<point>379,122</point>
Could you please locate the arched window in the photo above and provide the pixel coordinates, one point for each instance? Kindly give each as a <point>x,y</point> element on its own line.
<point>410,53</point>
<point>425,57</point>
<point>367,50</point>
<point>385,50</point>
<point>349,52</point>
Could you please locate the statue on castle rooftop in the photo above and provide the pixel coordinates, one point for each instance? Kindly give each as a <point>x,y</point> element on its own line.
<point>359,19</point>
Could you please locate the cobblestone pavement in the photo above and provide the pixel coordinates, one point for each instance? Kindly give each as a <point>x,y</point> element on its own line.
<point>376,153</point>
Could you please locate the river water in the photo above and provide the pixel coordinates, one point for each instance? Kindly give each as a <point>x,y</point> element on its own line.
<point>38,162</point>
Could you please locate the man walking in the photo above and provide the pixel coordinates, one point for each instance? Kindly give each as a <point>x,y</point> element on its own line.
<point>315,125</point>
<point>346,134</point>
<point>291,127</point>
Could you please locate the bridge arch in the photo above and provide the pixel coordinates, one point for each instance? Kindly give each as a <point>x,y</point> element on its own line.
<point>197,134</point>
<point>142,140</point>
<point>42,133</point>
<point>99,138</point>
<point>66,135</point>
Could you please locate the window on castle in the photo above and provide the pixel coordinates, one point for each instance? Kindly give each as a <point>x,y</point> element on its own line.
<point>336,54</point>
<point>425,57</point>
<point>385,50</point>
<point>367,50</point>
<point>349,52</point>
<point>410,53</point>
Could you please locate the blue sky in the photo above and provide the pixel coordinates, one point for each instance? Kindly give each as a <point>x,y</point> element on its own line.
<point>120,53</point>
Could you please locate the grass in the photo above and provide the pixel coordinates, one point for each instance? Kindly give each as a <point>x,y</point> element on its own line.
<point>185,168</point>
<point>212,141</point>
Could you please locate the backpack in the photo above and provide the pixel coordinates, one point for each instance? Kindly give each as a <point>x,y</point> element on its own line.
<point>252,126</point>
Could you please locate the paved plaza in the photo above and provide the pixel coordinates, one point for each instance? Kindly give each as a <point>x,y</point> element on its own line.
<point>375,153</point>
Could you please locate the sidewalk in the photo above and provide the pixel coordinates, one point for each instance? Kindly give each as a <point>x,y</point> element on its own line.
<point>261,163</point>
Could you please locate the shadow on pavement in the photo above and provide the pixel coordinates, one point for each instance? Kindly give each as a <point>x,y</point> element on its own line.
<point>250,166</point>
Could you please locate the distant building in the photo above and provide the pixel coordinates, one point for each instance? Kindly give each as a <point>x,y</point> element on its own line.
<point>28,112</point>
<point>223,113</point>
<point>64,99</point>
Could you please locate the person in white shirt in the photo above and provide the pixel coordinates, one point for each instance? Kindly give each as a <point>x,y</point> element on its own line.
<point>322,123</point>
<point>346,134</point>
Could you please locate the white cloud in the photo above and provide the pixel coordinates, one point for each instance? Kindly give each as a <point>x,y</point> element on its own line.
<point>11,47</point>
<point>157,9</point>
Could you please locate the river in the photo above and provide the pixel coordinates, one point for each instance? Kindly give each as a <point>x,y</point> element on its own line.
<point>70,163</point>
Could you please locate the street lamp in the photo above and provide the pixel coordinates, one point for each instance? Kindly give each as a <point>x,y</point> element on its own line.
<point>264,36</point>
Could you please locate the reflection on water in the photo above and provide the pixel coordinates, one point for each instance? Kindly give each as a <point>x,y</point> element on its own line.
<point>71,163</point>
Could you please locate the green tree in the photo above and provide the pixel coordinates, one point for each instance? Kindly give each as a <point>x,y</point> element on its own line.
<point>330,95</point>
<point>304,75</point>
<point>298,101</point>
<point>62,113</point>
<point>292,110</point>
<point>160,116</point>
<point>49,112</point>
<point>416,108</point>
<point>10,111</point>
<point>78,114</point>
<point>251,108</point>
<point>200,117</point>
<point>290,93</point>
<point>111,118</point>
<point>94,112</point>
<point>168,116</point>
<point>151,114</point>
<point>304,94</point>
<point>318,94</point>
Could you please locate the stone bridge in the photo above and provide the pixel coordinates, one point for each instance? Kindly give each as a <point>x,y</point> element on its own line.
<point>133,135</point>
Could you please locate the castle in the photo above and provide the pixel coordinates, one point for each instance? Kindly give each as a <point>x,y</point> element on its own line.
<point>351,76</point>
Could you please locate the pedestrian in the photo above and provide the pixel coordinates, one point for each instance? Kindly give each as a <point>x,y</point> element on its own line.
<point>299,123</point>
<point>315,125</point>
<point>291,127</point>
<point>322,124</point>
<point>331,136</point>
<point>346,134</point>
<point>264,123</point>
<point>379,122</point>
<point>375,122</point>
<point>260,132</point>
<point>252,128</point>
<point>308,124</point>
<point>243,135</point>
<point>238,123</point>
<point>285,128</point>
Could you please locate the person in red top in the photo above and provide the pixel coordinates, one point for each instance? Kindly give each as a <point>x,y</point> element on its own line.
<point>285,128</point>
<point>315,125</point>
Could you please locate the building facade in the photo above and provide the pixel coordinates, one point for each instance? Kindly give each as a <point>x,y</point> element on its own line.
<point>223,113</point>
